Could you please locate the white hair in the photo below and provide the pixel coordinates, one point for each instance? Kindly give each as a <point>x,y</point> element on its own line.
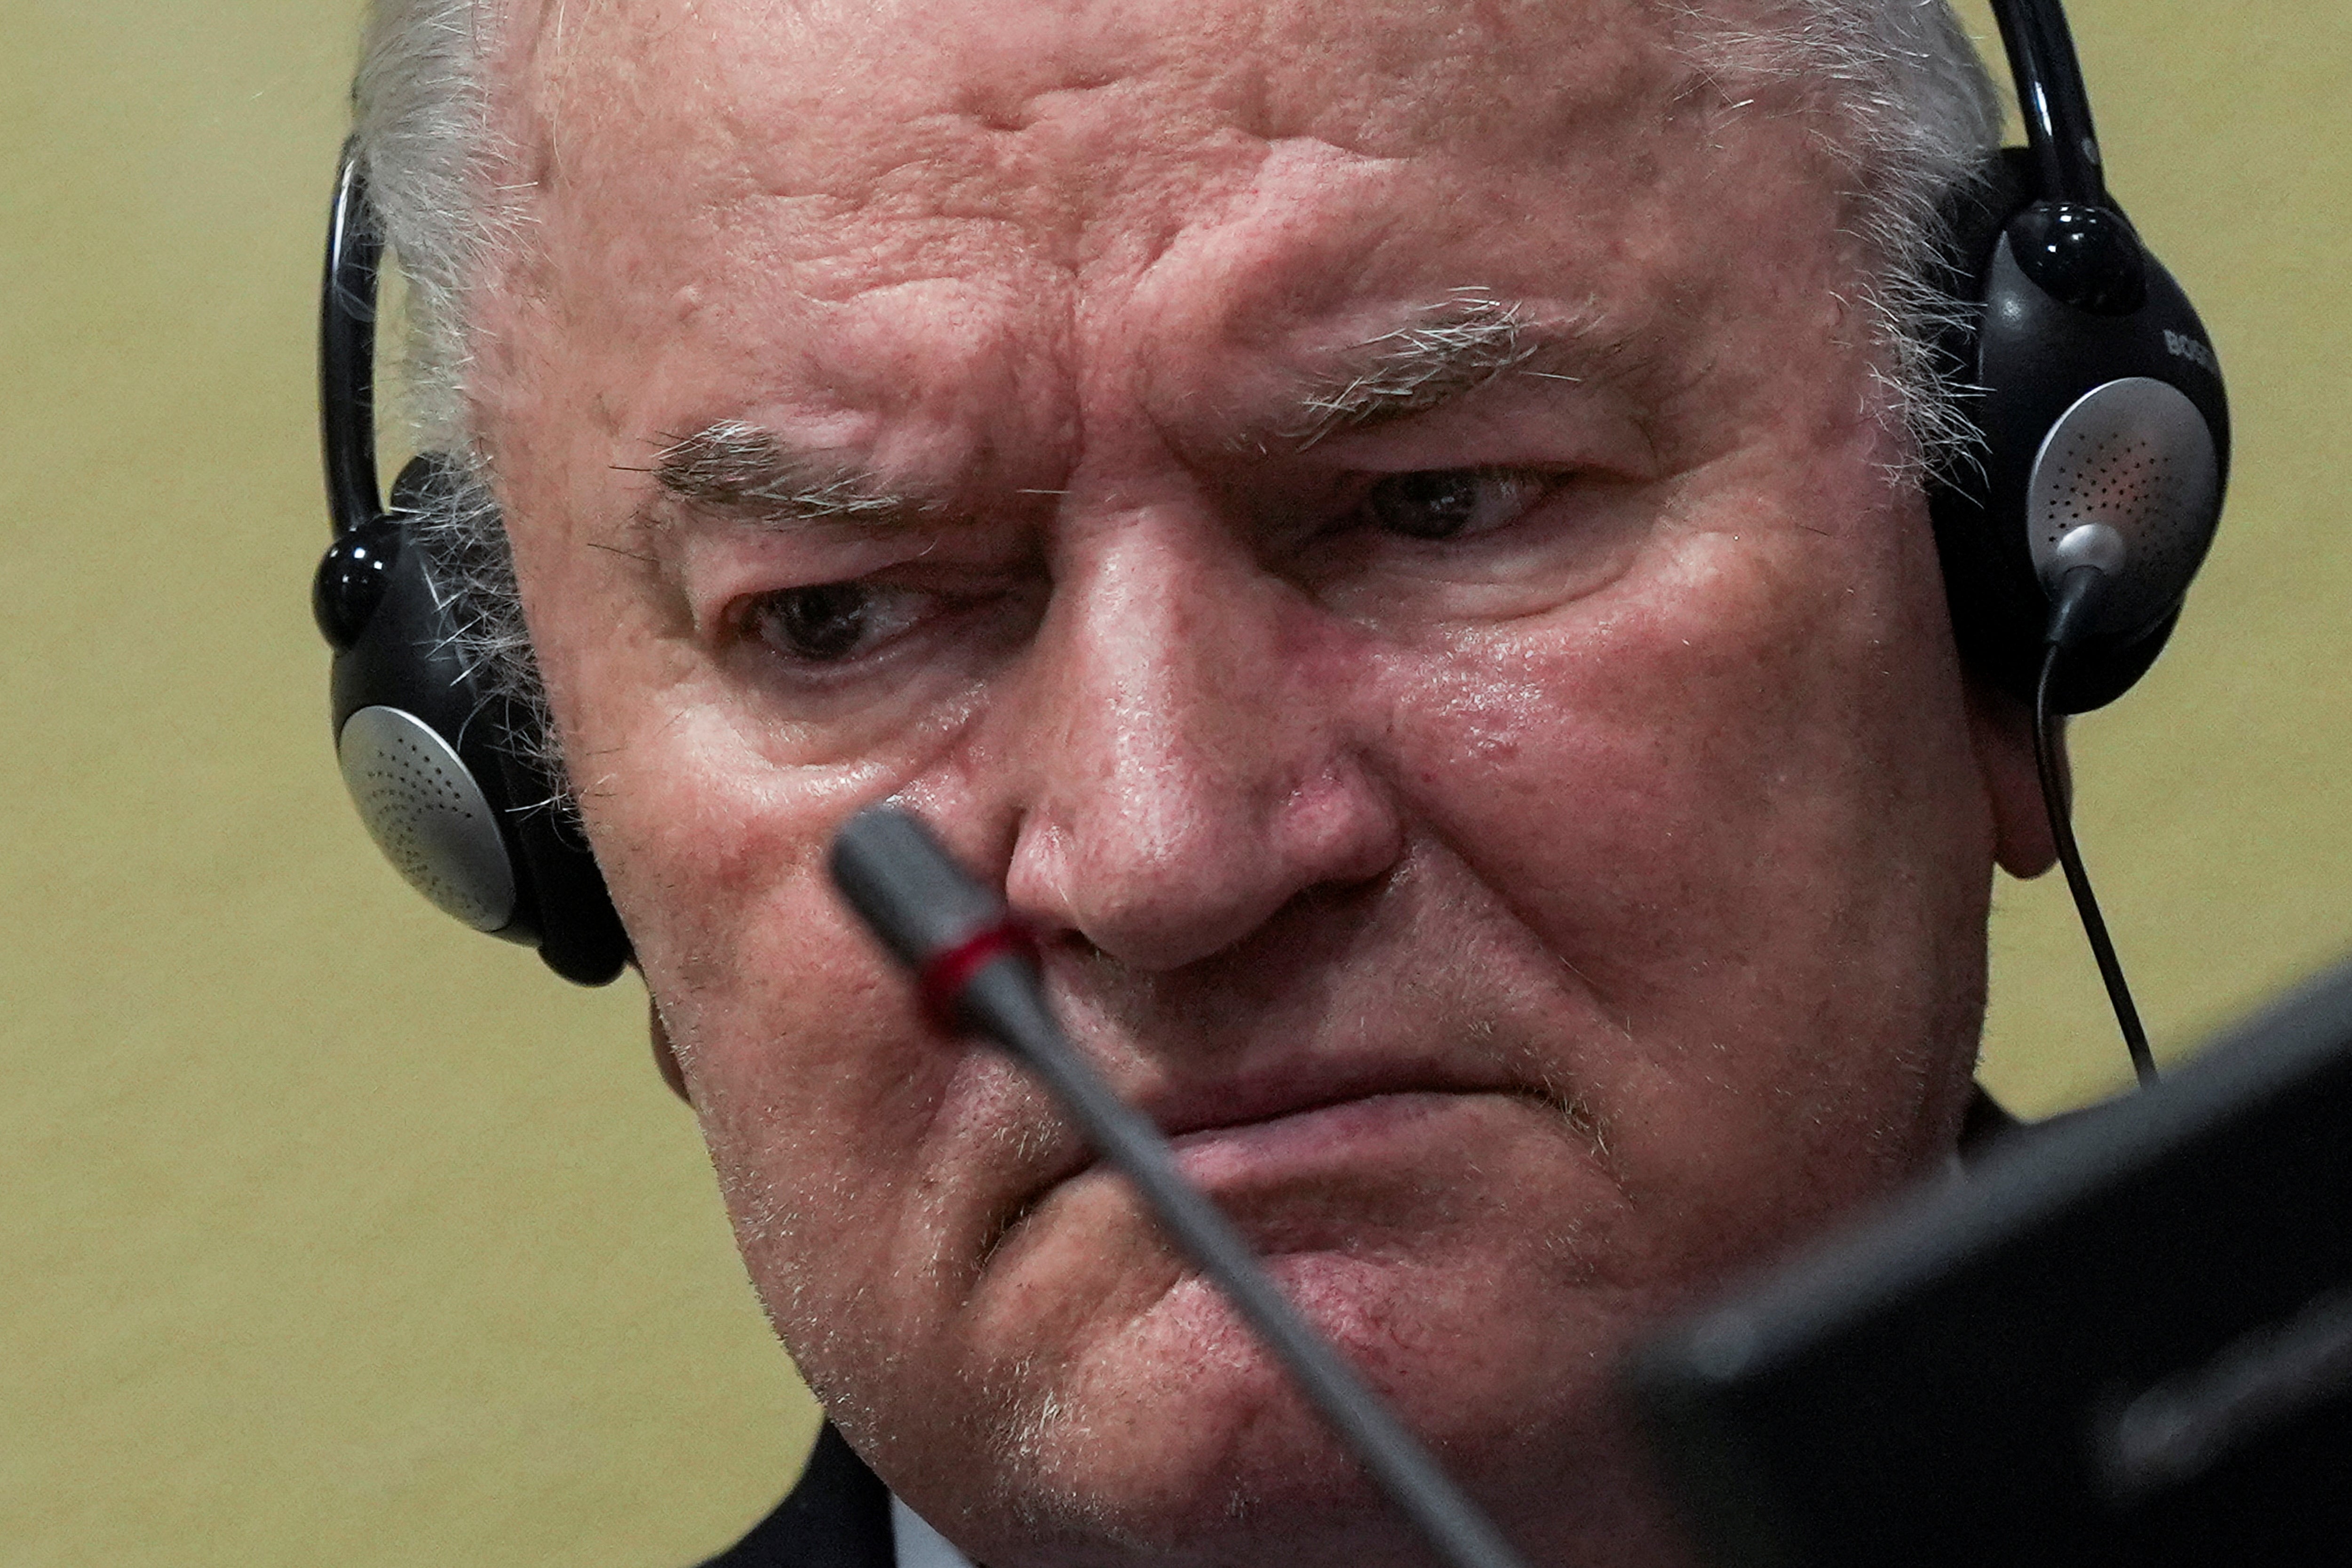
<point>424,135</point>
<point>422,131</point>
<point>1915,121</point>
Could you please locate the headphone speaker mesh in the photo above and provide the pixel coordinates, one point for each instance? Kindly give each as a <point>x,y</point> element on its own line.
<point>424,810</point>
<point>2136,456</point>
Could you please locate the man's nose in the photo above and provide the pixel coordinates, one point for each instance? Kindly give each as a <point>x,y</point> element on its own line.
<point>1195,742</point>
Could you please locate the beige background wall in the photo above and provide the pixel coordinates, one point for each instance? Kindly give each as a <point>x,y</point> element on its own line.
<point>328,1233</point>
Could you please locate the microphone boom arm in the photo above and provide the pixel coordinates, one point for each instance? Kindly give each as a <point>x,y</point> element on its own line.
<point>935,917</point>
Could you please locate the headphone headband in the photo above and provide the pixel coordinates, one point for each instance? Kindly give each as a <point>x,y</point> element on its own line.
<point>2055,103</point>
<point>347,310</point>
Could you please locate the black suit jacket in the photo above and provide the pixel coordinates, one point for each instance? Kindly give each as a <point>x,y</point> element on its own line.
<point>837,1517</point>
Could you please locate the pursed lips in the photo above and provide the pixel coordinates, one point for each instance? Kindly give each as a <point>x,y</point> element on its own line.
<point>1226,1132</point>
<point>1272,1147</point>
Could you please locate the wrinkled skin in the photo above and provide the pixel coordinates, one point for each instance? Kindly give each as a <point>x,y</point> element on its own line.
<point>1524,927</point>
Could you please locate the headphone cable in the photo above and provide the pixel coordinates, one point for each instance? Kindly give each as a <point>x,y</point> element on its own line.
<point>2076,597</point>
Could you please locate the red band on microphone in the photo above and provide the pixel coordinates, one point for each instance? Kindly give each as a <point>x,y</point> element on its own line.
<point>941,982</point>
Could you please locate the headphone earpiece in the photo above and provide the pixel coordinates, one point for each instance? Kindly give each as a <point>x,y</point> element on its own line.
<point>438,763</point>
<point>2104,425</point>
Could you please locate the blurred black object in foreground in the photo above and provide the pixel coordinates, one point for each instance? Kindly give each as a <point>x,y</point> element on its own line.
<point>2125,1340</point>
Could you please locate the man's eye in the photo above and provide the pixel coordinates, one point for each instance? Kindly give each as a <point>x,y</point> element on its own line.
<point>828,622</point>
<point>1449,503</point>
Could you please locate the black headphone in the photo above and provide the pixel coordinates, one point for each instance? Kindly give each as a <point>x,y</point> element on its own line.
<point>438,760</point>
<point>2104,425</point>
<point>2105,443</point>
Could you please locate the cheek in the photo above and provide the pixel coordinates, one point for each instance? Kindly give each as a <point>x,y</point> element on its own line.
<point>856,1151</point>
<point>1734,795</point>
<point>819,1093</point>
<point>802,1051</point>
<point>791,1026</point>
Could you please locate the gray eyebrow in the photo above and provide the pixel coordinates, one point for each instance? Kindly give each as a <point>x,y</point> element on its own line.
<point>1451,347</point>
<point>735,466</point>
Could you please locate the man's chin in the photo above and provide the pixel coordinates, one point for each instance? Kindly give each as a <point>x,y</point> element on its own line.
<point>1181,1438</point>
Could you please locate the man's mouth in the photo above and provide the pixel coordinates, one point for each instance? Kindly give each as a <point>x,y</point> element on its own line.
<point>1302,1145</point>
<point>1299,1143</point>
<point>1234,1134</point>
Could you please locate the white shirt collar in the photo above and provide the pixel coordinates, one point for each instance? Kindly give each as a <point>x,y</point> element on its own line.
<point>916,1545</point>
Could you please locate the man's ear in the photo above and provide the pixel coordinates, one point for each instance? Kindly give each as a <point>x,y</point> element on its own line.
<point>2002,729</point>
<point>664,1058</point>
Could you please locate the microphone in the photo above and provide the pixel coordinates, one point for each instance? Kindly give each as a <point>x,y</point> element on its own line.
<point>977,972</point>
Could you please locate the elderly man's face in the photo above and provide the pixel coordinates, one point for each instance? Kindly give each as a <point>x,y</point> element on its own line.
<point>1374,520</point>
